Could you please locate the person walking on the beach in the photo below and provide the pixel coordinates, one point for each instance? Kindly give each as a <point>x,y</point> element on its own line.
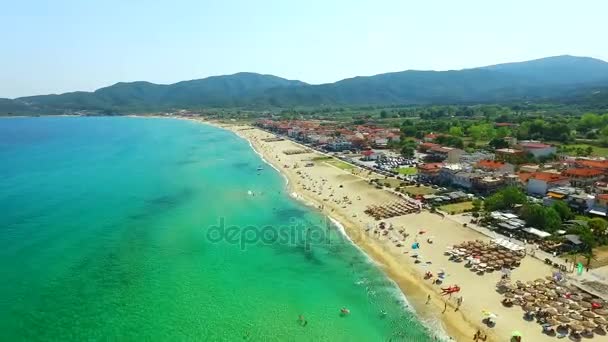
<point>428,299</point>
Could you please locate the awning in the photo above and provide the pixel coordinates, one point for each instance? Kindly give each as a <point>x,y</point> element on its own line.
<point>597,212</point>
<point>536,232</point>
<point>507,226</point>
<point>555,195</point>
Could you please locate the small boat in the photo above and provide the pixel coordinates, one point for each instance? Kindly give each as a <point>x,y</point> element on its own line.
<point>260,168</point>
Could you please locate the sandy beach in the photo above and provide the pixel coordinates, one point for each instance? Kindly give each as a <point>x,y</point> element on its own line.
<point>345,194</point>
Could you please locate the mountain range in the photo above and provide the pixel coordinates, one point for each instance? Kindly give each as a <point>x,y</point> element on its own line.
<point>560,78</point>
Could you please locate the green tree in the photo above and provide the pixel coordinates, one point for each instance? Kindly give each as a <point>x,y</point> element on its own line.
<point>563,210</point>
<point>543,218</point>
<point>456,131</point>
<point>507,198</point>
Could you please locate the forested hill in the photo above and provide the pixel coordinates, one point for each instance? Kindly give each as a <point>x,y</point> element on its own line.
<point>554,78</point>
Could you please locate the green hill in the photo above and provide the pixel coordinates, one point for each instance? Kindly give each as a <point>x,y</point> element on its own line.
<point>553,78</point>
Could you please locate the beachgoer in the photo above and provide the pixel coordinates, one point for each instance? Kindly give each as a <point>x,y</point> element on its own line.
<point>476,336</point>
<point>428,299</point>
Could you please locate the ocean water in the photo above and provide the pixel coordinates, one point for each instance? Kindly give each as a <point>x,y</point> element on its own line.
<point>160,229</point>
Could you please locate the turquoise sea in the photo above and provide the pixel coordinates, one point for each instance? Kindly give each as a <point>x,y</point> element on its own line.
<point>143,229</point>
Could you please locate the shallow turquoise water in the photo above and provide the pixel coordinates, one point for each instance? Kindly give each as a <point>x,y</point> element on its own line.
<point>109,229</point>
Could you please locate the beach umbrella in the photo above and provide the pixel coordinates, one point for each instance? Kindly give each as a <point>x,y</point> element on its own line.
<point>549,278</point>
<point>551,311</point>
<point>563,319</point>
<point>519,292</point>
<point>586,305</point>
<point>601,312</point>
<point>531,290</point>
<point>589,324</point>
<point>574,306</point>
<point>551,285</point>
<point>586,295</point>
<point>576,327</point>
<point>561,290</point>
<point>541,297</point>
<point>509,295</point>
<point>600,320</point>
<point>552,321</point>
<point>588,314</point>
<point>576,316</point>
<point>562,310</point>
<point>538,280</point>
<point>529,298</point>
<point>576,298</point>
<point>563,300</point>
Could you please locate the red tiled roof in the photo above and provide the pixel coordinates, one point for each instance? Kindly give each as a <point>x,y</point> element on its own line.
<point>509,151</point>
<point>602,196</point>
<point>582,172</point>
<point>490,164</point>
<point>534,145</point>
<point>524,176</point>
<point>548,177</point>
<point>430,166</point>
<point>431,136</point>
<point>504,124</point>
<point>367,153</point>
<point>428,144</point>
<point>597,164</point>
<point>441,149</point>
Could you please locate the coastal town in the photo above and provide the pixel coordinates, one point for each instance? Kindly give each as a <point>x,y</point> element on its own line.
<point>426,213</point>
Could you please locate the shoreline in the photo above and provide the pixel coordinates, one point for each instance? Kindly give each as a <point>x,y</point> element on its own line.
<point>408,288</point>
<point>440,313</point>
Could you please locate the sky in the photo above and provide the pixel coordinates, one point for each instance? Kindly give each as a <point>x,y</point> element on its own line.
<point>67,45</point>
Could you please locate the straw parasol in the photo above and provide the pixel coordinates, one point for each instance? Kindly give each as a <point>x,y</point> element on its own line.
<point>563,319</point>
<point>586,305</point>
<point>576,298</point>
<point>541,297</point>
<point>519,292</point>
<point>529,308</point>
<point>600,320</point>
<point>551,285</point>
<point>588,314</point>
<point>552,321</point>
<point>563,300</point>
<point>576,316</point>
<point>549,278</point>
<point>562,310</point>
<point>552,311</point>
<point>574,306</point>
<point>589,324</point>
<point>576,327</point>
<point>509,295</point>
<point>529,298</point>
<point>601,312</point>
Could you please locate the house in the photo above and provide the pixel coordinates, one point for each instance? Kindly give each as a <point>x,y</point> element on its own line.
<point>444,154</point>
<point>572,243</point>
<point>429,171</point>
<point>583,177</point>
<point>487,184</point>
<point>339,145</point>
<point>425,146</point>
<point>495,166</point>
<point>600,207</point>
<point>369,155</point>
<point>529,168</point>
<point>601,165</point>
<point>541,182</point>
<point>430,137</point>
<point>380,143</point>
<point>509,155</point>
<point>537,149</point>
